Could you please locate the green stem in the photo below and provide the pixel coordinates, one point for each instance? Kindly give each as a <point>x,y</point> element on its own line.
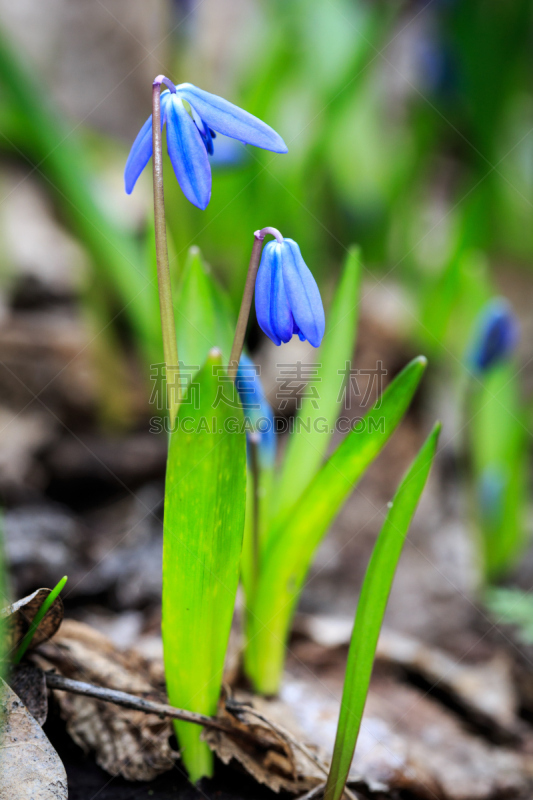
<point>247,297</point>
<point>47,604</point>
<point>254,469</point>
<point>168,325</point>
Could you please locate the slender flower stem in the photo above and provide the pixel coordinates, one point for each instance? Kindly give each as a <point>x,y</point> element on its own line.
<point>168,325</point>
<point>256,477</point>
<point>247,297</point>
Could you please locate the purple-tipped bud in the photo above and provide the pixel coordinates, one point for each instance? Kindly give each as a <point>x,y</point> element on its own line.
<point>496,335</point>
<point>287,298</point>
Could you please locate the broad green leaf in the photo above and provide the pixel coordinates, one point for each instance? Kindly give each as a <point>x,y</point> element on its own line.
<point>205,495</point>
<point>307,447</point>
<point>370,611</point>
<point>295,535</point>
<point>203,319</point>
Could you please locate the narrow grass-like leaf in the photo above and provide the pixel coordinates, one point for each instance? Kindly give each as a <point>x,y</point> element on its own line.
<point>205,495</point>
<point>47,604</point>
<point>307,447</point>
<point>203,319</point>
<point>296,534</point>
<point>498,438</point>
<point>370,611</point>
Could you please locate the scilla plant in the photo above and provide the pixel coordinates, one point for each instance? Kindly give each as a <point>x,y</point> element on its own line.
<point>494,418</point>
<point>211,411</point>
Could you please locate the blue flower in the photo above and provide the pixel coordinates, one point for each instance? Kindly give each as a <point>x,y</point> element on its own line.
<point>287,298</point>
<point>257,410</point>
<point>190,138</point>
<point>496,335</point>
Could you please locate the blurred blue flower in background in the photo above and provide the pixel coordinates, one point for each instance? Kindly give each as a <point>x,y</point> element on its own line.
<point>257,410</point>
<point>190,138</point>
<point>287,298</point>
<point>496,336</point>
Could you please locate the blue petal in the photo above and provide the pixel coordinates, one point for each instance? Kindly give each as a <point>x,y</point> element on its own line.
<point>231,120</point>
<point>205,132</point>
<point>188,154</point>
<point>303,295</point>
<point>141,150</point>
<point>271,303</point>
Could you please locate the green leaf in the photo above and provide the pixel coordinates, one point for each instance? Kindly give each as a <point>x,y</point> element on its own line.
<point>307,447</point>
<point>296,534</point>
<point>370,610</point>
<point>205,495</point>
<point>203,318</point>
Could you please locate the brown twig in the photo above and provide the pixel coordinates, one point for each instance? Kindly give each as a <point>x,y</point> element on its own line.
<point>131,701</point>
<point>54,681</point>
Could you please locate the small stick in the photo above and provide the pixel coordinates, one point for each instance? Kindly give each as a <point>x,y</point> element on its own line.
<point>54,681</point>
<point>126,700</point>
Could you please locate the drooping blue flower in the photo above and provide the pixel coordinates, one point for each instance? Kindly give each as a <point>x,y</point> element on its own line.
<point>496,335</point>
<point>257,410</point>
<point>287,298</point>
<point>190,138</point>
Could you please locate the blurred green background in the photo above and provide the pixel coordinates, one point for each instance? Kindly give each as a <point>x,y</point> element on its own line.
<point>408,124</point>
<point>409,127</point>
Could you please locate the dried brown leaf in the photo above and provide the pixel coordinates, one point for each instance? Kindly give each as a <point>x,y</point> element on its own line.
<point>263,752</point>
<point>29,765</point>
<point>28,682</point>
<point>484,690</point>
<point>18,617</point>
<point>410,742</point>
<point>130,743</point>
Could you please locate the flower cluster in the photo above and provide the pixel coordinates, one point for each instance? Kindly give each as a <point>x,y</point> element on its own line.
<point>287,297</point>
